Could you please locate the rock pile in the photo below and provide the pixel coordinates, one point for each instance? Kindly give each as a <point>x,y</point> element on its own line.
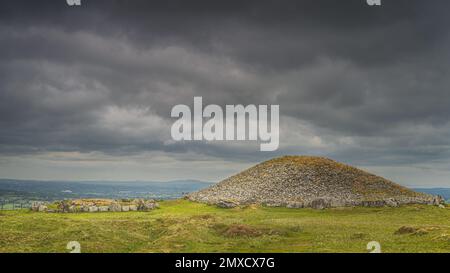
<point>302,181</point>
<point>95,205</point>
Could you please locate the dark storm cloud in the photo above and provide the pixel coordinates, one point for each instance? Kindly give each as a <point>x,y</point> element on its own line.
<point>366,82</point>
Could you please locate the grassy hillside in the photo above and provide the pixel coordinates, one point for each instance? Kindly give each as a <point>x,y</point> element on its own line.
<point>183,226</point>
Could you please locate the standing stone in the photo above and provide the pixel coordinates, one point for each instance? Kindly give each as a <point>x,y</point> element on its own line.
<point>125,208</point>
<point>133,208</point>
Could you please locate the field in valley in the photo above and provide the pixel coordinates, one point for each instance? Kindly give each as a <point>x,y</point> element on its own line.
<point>183,226</point>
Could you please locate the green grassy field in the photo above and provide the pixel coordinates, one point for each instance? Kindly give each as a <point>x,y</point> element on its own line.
<point>183,226</point>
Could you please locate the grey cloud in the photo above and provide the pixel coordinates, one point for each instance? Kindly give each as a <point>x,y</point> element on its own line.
<point>366,84</point>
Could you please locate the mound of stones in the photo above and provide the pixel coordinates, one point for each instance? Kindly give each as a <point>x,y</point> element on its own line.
<point>95,205</point>
<point>303,181</point>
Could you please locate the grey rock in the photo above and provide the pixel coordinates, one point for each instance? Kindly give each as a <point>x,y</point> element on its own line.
<point>295,205</point>
<point>146,205</point>
<point>320,203</point>
<point>93,209</point>
<point>103,208</point>
<point>42,208</point>
<point>391,203</point>
<point>115,207</point>
<point>36,204</point>
<point>227,204</point>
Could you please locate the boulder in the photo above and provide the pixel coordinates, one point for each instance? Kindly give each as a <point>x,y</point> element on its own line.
<point>115,207</point>
<point>227,204</point>
<point>42,208</point>
<point>72,209</point>
<point>438,200</point>
<point>280,181</point>
<point>295,205</point>
<point>391,203</point>
<point>125,208</point>
<point>320,203</point>
<point>146,205</point>
<point>63,206</point>
<point>103,208</point>
<point>36,204</point>
<point>93,209</point>
<point>133,208</point>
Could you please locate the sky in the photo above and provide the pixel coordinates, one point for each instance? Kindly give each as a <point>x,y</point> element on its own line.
<point>86,92</point>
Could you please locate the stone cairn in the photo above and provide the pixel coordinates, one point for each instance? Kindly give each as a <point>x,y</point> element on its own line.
<point>309,182</point>
<point>95,205</point>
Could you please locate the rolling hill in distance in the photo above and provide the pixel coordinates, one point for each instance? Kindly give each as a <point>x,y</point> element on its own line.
<point>56,190</point>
